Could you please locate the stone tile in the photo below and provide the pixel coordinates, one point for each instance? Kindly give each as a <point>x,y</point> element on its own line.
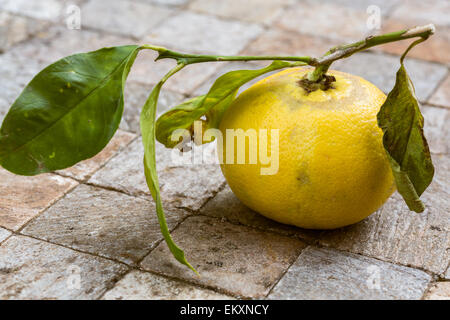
<point>436,48</point>
<point>32,269</point>
<point>217,36</point>
<point>138,285</point>
<point>4,234</point>
<point>235,259</point>
<point>432,11</point>
<point>251,10</point>
<point>303,17</point>
<point>85,169</point>
<point>103,222</point>
<point>226,206</point>
<point>439,291</point>
<point>52,10</point>
<point>25,197</point>
<point>131,18</point>
<point>398,235</point>
<point>330,274</point>
<point>183,183</point>
<point>14,29</point>
<point>442,95</point>
<point>380,69</point>
<point>284,42</point>
<point>135,96</point>
<point>437,130</point>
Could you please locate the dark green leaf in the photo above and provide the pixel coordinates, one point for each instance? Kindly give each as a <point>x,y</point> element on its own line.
<point>67,113</point>
<point>147,122</point>
<point>212,105</point>
<point>404,141</point>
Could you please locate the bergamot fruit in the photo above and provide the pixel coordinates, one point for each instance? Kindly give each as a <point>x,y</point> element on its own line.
<point>332,171</point>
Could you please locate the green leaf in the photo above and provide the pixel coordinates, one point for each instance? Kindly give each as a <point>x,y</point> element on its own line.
<point>67,113</point>
<point>212,105</point>
<point>147,122</point>
<point>404,141</point>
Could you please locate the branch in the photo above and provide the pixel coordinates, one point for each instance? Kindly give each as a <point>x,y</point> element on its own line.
<point>322,64</point>
<point>344,51</point>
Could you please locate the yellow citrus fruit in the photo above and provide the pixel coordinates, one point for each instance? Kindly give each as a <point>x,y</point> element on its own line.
<point>332,168</point>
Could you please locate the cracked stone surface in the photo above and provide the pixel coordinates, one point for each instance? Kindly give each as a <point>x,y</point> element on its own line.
<point>103,222</point>
<point>398,235</point>
<point>330,274</point>
<point>22,198</point>
<point>442,95</point>
<point>32,269</point>
<point>224,255</point>
<point>138,285</point>
<point>183,183</point>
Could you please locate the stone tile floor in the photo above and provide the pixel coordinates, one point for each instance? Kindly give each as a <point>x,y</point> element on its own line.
<point>90,232</point>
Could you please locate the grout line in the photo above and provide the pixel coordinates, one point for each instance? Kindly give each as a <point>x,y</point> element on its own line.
<point>54,201</point>
<point>11,233</point>
<point>427,290</point>
<point>433,105</point>
<point>182,281</point>
<point>70,248</point>
<point>286,271</point>
<point>437,87</point>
